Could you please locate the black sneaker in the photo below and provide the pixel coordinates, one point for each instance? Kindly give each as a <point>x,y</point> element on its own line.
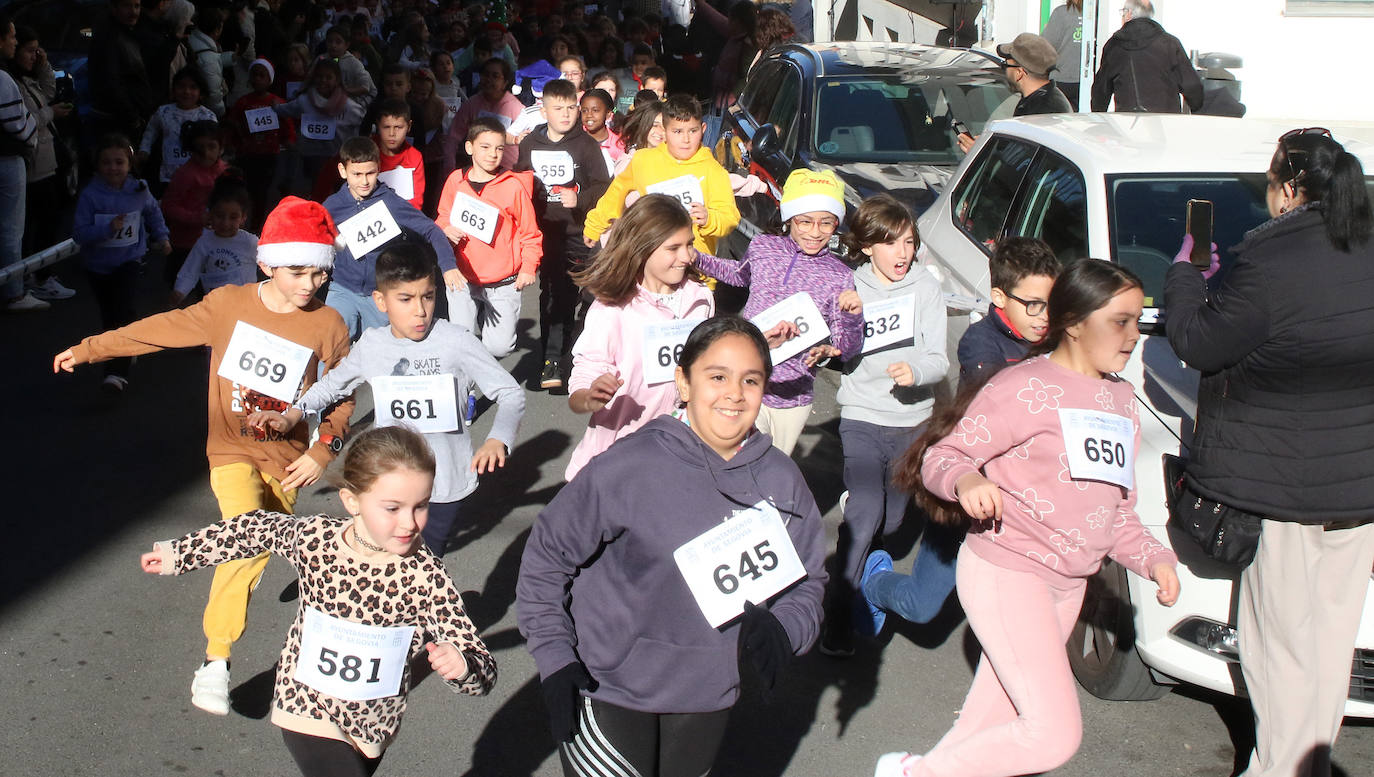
<point>552,376</point>
<point>837,642</point>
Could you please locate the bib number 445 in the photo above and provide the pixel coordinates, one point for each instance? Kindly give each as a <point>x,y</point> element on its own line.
<point>728,583</point>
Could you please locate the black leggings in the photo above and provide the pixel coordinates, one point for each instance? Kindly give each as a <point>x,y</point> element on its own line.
<point>323,757</point>
<point>609,738</point>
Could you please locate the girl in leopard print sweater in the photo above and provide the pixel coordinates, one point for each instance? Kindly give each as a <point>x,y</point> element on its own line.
<point>371,592</point>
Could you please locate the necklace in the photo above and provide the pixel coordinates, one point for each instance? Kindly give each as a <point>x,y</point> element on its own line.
<point>359,539</point>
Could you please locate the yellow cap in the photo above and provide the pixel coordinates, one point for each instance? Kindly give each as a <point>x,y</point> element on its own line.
<point>809,190</point>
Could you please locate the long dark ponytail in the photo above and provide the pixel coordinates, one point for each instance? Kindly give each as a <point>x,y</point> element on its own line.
<point>1085,286</point>
<point>1326,173</point>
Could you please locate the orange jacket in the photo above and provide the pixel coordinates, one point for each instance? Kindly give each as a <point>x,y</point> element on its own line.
<point>517,244</point>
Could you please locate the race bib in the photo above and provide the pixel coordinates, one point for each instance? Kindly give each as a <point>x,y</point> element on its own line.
<point>426,403</point>
<point>1100,446</point>
<point>505,120</point>
<point>747,558</point>
<point>889,321</point>
<point>552,167</point>
<point>316,127</point>
<point>801,310</point>
<point>527,121</point>
<point>401,180</point>
<point>264,362</point>
<point>293,88</point>
<point>129,229</point>
<point>686,189</point>
<point>474,217</point>
<point>351,661</point>
<point>369,230</point>
<point>663,346</point>
<point>261,120</point>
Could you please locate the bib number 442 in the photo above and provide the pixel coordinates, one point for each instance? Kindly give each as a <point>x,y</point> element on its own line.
<point>728,583</point>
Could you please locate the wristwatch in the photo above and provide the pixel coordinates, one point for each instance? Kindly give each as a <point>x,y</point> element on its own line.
<point>333,442</point>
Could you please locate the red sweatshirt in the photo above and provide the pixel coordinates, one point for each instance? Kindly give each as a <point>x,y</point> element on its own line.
<point>264,143</point>
<point>409,159</point>
<point>183,204</point>
<point>516,245</point>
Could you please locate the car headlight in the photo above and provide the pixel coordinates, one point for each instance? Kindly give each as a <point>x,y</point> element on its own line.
<point>1209,636</point>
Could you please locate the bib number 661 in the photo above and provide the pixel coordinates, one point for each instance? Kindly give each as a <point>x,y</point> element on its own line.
<point>767,560</point>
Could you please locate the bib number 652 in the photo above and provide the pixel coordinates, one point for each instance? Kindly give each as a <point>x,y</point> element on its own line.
<point>767,560</point>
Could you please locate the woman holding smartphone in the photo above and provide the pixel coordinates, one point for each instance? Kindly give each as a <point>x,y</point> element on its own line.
<point>1284,421</point>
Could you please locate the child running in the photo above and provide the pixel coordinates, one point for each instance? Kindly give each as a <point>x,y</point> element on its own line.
<point>799,265</point>
<point>637,636</point>
<point>183,204</point>
<point>344,672</point>
<point>1042,459</point>
<point>117,221</point>
<point>416,367</point>
<point>623,361</point>
<point>188,94</point>
<point>886,393</point>
<point>268,342</point>
<point>225,255</point>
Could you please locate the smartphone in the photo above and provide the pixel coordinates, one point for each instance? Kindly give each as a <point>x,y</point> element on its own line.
<point>1200,227</point>
<point>959,128</point>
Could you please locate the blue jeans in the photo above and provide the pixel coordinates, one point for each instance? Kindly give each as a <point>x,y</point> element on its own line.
<point>442,517</point>
<point>358,310</point>
<point>12,188</point>
<point>920,596</point>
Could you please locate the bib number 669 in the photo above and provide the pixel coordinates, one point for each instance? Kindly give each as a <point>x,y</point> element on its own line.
<point>767,560</point>
<point>263,367</point>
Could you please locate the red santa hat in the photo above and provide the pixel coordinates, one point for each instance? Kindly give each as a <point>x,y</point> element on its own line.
<point>298,233</point>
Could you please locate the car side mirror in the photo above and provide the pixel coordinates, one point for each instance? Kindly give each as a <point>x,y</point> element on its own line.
<point>766,141</point>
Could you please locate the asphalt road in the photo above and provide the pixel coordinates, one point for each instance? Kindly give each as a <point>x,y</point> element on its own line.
<point>96,657</point>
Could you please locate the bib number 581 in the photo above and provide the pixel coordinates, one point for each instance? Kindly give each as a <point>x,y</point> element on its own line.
<point>349,668</point>
<point>767,560</point>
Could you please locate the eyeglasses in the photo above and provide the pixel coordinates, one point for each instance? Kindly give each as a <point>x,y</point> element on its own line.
<point>1296,170</point>
<point>1034,307</point>
<point>572,72</point>
<point>824,225</point>
<point>1006,63</point>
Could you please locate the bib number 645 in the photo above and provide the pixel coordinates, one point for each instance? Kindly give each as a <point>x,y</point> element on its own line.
<point>767,561</point>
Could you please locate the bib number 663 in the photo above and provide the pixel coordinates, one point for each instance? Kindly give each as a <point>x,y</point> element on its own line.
<point>263,367</point>
<point>472,219</point>
<point>767,560</point>
<point>1105,451</point>
<point>349,668</point>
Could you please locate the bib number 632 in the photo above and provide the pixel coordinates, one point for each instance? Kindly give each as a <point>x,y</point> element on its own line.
<point>767,562</point>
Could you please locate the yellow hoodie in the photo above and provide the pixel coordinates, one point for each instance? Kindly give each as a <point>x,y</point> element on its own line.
<point>656,165</point>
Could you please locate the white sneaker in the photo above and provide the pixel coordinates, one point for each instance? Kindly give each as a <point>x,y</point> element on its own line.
<point>26,303</point>
<point>844,501</point>
<point>210,687</point>
<point>895,764</point>
<point>52,288</point>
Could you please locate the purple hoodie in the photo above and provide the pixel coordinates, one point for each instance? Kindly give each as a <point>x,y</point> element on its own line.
<point>598,582</point>
<point>773,269</point>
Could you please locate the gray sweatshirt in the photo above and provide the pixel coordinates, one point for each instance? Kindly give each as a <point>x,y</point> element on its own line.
<point>867,393</point>
<point>448,350</point>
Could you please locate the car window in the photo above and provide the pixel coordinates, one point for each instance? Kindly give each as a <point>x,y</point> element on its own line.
<point>894,118</point>
<point>761,89</point>
<point>785,111</point>
<point>1053,207</point>
<point>1147,221</point>
<point>984,196</point>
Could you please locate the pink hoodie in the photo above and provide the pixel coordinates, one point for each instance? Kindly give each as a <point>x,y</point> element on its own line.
<point>1053,524</point>
<point>612,340</point>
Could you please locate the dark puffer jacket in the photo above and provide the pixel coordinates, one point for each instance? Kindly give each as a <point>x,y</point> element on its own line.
<point>1285,424</point>
<point>1146,68</point>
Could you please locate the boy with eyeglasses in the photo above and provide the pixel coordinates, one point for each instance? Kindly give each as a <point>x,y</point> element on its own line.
<point>1023,270</point>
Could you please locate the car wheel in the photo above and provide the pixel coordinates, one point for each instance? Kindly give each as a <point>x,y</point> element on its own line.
<point>1102,645</point>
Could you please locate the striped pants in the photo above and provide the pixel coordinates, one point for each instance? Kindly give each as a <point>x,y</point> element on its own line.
<point>612,741</point>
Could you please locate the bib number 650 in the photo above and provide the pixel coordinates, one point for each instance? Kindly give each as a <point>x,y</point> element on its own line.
<point>1105,451</point>
<point>767,560</point>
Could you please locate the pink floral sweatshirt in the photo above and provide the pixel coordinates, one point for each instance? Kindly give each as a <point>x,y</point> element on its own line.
<point>1020,431</point>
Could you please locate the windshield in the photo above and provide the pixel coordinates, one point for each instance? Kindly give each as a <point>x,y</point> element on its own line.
<point>890,119</point>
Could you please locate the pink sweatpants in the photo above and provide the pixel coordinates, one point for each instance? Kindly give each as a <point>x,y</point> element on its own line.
<point>1021,715</point>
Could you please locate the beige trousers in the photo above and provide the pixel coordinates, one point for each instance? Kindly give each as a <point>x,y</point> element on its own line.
<point>1300,606</point>
<point>784,425</point>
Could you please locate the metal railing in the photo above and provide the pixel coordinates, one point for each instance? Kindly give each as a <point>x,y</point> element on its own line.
<point>47,257</point>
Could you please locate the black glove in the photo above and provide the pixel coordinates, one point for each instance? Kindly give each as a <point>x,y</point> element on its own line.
<point>763,641</point>
<point>561,697</point>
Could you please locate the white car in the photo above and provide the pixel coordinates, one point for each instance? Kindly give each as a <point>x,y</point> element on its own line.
<point>1114,186</point>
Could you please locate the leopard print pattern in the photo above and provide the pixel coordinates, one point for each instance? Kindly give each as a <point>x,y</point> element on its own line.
<point>413,590</point>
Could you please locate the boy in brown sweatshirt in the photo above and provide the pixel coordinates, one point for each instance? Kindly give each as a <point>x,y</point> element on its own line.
<point>267,343</point>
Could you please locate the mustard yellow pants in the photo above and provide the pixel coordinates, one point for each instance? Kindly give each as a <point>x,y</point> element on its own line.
<point>240,488</point>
